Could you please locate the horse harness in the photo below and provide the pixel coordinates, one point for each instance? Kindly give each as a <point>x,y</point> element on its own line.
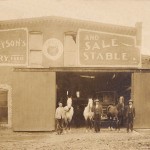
<point>69,108</point>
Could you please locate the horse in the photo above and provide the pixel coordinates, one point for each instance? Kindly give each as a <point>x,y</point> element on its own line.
<point>88,115</point>
<point>68,114</point>
<point>115,113</point>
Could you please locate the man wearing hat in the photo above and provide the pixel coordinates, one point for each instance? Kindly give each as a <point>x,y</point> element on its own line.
<point>59,116</point>
<point>97,115</point>
<point>130,115</point>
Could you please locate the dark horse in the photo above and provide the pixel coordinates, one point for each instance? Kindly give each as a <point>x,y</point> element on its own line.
<point>115,114</point>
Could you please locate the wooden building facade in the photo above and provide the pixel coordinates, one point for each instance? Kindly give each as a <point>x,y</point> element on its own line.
<point>38,54</point>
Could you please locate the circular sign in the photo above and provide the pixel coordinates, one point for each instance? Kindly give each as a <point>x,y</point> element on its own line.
<point>53,48</point>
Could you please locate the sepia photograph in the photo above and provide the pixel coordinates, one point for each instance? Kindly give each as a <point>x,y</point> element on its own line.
<point>74,75</point>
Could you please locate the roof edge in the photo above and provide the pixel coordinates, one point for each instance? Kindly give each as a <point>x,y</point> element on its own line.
<point>63,20</point>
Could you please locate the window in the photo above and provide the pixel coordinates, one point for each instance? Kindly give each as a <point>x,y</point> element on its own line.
<point>35,49</point>
<point>70,49</point>
<point>3,106</point>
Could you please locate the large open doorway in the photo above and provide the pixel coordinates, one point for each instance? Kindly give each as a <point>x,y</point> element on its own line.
<point>106,86</point>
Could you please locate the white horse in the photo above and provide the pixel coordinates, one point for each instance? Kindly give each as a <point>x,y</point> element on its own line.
<point>69,111</point>
<point>88,115</point>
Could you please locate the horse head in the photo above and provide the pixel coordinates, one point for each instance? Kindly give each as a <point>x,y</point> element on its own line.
<point>89,108</point>
<point>120,105</point>
<point>90,103</point>
<point>88,114</point>
<point>121,100</point>
<point>69,102</point>
<point>69,111</point>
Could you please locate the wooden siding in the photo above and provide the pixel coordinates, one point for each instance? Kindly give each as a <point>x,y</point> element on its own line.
<point>34,101</point>
<point>141,97</point>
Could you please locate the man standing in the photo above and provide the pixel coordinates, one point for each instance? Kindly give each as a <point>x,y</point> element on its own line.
<point>59,115</point>
<point>97,115</point>
<point>130,115</point>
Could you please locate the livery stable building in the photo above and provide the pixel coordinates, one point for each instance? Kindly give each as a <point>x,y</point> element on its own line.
<point>44,60</point>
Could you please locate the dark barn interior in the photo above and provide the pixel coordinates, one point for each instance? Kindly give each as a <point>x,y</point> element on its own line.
<point>101,85</point>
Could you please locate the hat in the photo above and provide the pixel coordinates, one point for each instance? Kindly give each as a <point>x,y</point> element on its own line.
<point>59,102</point>
<point>96,100</point>
<point>131,100</point>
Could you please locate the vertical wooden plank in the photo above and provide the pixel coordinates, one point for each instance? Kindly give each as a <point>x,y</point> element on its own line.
<point>141,99</point>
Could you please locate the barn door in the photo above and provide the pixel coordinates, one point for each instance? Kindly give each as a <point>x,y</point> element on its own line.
<point>33,103</point>
<point>141,97</point>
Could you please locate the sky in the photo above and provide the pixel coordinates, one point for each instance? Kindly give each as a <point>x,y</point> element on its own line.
<point>118,12</point>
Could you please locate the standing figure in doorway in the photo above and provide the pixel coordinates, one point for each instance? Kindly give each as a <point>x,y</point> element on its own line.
<point>98,111</point>
<point>59,115</point>
<point>77,116</point>
<point>130,115</point>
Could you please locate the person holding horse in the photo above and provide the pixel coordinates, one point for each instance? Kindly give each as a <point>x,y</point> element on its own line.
<point>77,116</point>
<point>130,115</point>
<point>59,116</point>
<point>98,110</point>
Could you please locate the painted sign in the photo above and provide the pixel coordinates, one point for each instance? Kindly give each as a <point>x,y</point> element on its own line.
<point>107,49</point>
<point>13,47</point>
<point>53,49</point>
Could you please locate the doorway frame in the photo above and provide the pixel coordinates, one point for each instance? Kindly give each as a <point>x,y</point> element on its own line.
<point>9,100</point>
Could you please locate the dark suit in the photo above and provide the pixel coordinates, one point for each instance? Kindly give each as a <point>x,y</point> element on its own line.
<point>120,108</point>
<point>97,117</point>
<point>130,114</point>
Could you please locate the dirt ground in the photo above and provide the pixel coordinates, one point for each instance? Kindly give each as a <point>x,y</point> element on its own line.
<point>77,139</point>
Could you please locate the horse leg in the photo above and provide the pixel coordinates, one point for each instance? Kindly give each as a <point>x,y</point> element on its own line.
<point>99,124</point>
<point>119,122</point>
<point>69,125</point>
<point>91,124</point>
<point>96,124</point>
<point>87,124</point>
<point>116,123</point>
<point>110,122</point>
<point>92,121</point>
<point>66,125</point>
